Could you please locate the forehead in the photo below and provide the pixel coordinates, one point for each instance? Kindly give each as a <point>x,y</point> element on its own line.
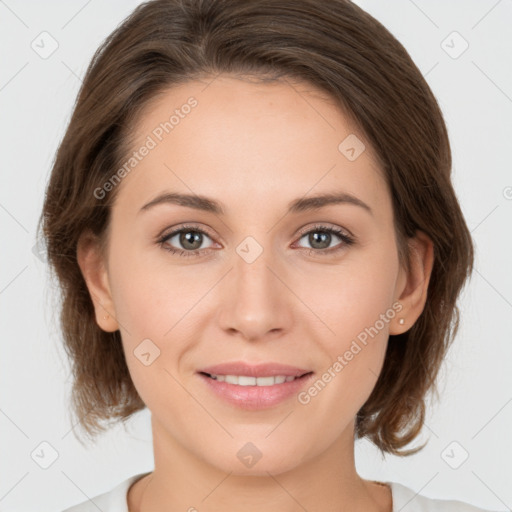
<point>249,141</point>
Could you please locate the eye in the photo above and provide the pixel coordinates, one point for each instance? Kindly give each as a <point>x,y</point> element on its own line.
<point>320,238</point>
<point>190,238</point>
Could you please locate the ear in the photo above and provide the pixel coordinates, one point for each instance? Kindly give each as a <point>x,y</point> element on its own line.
<point>94,269</point>
<point>412,285</point>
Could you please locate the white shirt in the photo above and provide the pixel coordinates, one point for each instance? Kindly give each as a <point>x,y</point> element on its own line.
<point>404,500</point>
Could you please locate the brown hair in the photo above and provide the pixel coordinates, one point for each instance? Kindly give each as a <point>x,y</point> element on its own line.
<point>338,48</point>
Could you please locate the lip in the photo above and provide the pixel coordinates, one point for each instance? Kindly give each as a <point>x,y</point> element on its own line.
<point>253,398</point>
<point>254,370</point>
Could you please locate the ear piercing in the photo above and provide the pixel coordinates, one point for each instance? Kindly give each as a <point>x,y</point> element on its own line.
<point>105,317</point>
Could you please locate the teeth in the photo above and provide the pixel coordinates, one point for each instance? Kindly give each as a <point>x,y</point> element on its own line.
<point>242,380</point>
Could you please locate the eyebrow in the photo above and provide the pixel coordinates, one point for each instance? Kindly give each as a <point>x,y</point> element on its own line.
<point>296,206</point>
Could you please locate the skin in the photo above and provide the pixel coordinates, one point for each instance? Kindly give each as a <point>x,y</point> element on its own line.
<point>253,147</point>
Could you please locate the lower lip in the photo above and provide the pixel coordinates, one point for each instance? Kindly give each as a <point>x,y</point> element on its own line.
<point>256,397</point>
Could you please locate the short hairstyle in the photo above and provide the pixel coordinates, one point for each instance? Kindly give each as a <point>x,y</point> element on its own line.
<point>338,48</point>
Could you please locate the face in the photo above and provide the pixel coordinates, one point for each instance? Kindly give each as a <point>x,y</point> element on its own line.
<point>257,281</point>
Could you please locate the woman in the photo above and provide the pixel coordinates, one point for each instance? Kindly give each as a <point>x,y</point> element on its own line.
<point>256,236</point>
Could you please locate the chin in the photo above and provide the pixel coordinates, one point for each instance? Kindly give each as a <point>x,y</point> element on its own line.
<point>248,460</point>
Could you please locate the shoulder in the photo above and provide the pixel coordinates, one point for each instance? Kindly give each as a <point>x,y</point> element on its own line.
<point>114,500</point>
<point>407,500</point>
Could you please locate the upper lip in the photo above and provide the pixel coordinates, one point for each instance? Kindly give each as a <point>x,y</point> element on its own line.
<point>254,370</point>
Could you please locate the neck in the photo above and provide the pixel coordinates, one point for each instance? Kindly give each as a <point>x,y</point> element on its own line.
<point>328,481</point>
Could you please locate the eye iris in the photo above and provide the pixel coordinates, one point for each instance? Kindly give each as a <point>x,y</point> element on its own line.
<point>190,237</point>
<point>322,238</point>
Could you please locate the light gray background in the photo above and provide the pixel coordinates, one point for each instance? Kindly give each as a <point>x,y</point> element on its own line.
<point>36,98</point>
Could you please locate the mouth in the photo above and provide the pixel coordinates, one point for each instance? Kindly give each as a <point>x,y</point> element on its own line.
<point>263,381</point>
<point>251,393</point>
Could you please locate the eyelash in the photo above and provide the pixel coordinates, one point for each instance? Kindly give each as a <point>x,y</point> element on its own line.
<point>346,239</point>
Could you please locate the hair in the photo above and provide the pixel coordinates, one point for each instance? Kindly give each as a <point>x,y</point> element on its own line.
<point>339,49</point>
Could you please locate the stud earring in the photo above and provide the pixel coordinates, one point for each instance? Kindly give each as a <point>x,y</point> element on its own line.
<point>105,317</point>
<point>401,321</point>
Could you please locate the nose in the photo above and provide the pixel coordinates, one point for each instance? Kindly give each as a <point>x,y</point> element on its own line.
<point>255,301</point>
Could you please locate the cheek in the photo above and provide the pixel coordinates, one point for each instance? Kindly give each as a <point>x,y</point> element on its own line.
<point>157,310</point>
<point>353,297</point>
<point>358,312</point>
<point>150,298</point>
<point>355,304</point>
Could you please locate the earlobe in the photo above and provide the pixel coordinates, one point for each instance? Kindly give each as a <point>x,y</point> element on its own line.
<point>413,295</point>
<point>92,265</point>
